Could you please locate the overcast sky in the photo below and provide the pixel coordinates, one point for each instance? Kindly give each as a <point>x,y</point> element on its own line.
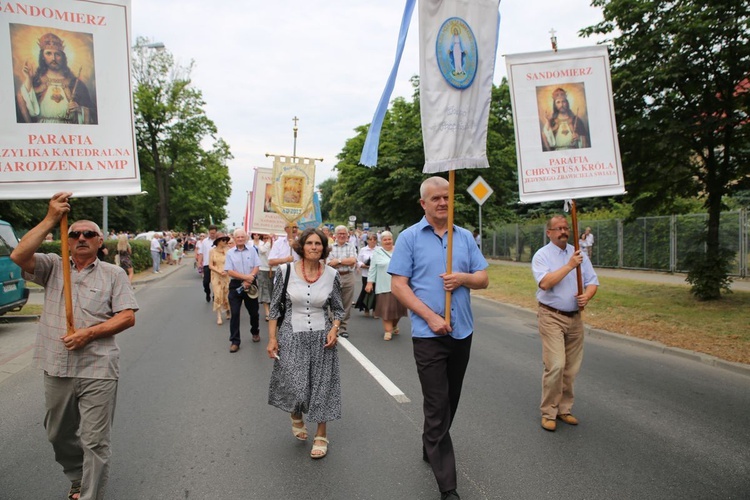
<point>261,63</point>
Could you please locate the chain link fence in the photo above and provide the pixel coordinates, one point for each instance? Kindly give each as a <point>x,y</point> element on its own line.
<point>648,243</point>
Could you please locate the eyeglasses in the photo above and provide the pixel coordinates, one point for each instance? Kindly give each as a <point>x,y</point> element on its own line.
<point>561,229</point>
<point>86,234</point>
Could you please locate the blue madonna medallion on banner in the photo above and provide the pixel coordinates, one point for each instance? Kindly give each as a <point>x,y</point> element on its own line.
<point>457,54</point>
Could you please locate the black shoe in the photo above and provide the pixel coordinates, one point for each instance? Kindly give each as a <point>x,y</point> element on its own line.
<point>450,495</point>
<point>344,334</point>
<point>424,455</point>
<point>208,297</point>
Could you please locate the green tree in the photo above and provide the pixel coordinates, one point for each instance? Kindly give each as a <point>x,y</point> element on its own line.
<point>680,78</point>
<point>326,192</point>
<point>185,182</point>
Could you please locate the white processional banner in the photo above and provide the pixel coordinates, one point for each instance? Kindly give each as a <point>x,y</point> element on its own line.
<point>566,136</point>
<point>66,108</point>
<point>458,45</point>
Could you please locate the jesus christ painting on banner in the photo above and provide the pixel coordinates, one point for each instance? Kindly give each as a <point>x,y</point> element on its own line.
<point>563,117</point>
<point>54,75</point>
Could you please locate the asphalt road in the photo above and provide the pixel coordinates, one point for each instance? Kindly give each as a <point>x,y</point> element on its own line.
<point>192,419</point>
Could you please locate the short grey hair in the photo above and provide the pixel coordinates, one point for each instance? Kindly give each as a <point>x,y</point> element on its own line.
<point>386,233</point>
<point>341,227</point>
<point>431,182</point>
<point>239,231</point>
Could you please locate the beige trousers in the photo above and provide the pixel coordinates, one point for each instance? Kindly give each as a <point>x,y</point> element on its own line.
<point>562,353</point>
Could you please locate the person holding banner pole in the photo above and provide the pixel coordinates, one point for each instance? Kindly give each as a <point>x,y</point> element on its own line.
<point>282,248</point>
<point>559,318</point>
<point>441,348</point>
<point>81,368</point>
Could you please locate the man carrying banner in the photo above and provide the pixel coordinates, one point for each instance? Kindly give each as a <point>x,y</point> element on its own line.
<point>441,350</point>
<point>81,369</point>
<point>559,318</point>
<point>52,93</point>
<point>281,251</point>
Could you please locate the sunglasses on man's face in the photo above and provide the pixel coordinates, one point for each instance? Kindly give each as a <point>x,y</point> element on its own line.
<point>86,234</point>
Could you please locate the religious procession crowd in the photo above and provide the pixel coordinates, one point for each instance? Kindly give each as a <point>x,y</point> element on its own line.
<point>306,282</point>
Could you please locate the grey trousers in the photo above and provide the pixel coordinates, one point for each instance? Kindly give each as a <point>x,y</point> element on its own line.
<point>348,281</point>
<point>78,422</point>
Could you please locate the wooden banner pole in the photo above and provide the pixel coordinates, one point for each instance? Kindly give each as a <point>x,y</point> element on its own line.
<point>65,253</point>
<point>574,230</point>
<point>449,261</point>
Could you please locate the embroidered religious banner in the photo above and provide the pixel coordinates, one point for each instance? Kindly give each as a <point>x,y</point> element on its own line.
<point>66,121</point>
<point>458,44</point>
<point>293,186</point>
<point>566,136</point>
<point>263,216</point>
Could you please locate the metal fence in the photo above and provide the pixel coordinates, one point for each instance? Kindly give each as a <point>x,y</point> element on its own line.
<point>651,243</point>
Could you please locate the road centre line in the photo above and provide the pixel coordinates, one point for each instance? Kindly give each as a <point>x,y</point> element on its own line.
<point>373,370</point>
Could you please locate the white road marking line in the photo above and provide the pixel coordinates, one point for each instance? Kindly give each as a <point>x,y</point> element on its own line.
<point>373,370</point>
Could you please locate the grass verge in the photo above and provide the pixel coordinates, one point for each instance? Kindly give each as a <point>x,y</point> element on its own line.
<point>665,313</point>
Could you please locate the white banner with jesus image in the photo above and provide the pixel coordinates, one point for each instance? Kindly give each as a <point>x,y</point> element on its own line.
<point>566,136</point>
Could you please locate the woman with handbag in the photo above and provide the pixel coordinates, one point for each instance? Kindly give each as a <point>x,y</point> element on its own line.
<point>363,262</point>
<point>387,307</point>
<point>306,311</point>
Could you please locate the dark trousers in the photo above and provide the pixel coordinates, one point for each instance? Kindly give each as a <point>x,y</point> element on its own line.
<point>441,364</point>
<point>235,305</point>
<point>207,280</point>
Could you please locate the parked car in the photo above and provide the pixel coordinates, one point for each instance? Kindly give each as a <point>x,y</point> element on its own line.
<point>148,236</point>
<point>14,293</point>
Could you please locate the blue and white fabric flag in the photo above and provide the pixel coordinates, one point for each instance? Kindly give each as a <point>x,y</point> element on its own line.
<point>369,156</point>
<point>458,44</point>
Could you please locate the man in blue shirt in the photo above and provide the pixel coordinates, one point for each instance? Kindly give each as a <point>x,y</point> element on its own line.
<point>242,265</point>
<point>441,350</point>
<point>559,318</point>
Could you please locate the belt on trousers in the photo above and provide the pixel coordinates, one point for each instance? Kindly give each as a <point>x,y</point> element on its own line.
<point>569,314</point>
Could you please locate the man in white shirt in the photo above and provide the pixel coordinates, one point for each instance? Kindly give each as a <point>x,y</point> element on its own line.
<point>281,251</point>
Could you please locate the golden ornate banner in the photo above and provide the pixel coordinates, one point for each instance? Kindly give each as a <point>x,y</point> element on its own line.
<point>293,186</point>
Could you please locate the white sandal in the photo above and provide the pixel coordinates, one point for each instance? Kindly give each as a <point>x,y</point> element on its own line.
<point>319,447</point>
<point>387,336</point>
<point>299,431</point>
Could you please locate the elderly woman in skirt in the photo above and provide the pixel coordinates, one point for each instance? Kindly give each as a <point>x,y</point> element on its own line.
<point>387,307</point>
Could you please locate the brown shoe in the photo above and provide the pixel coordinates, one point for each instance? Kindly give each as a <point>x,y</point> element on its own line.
<point>234,348</point>
<point>549,424</point>
<point>567,418</point>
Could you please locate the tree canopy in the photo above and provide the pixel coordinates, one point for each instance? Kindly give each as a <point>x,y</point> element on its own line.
<point>680,73</point>
<point>187,183</point>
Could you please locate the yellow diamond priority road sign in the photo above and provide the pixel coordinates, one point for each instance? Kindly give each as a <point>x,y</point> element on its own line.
<point>480,190</point>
